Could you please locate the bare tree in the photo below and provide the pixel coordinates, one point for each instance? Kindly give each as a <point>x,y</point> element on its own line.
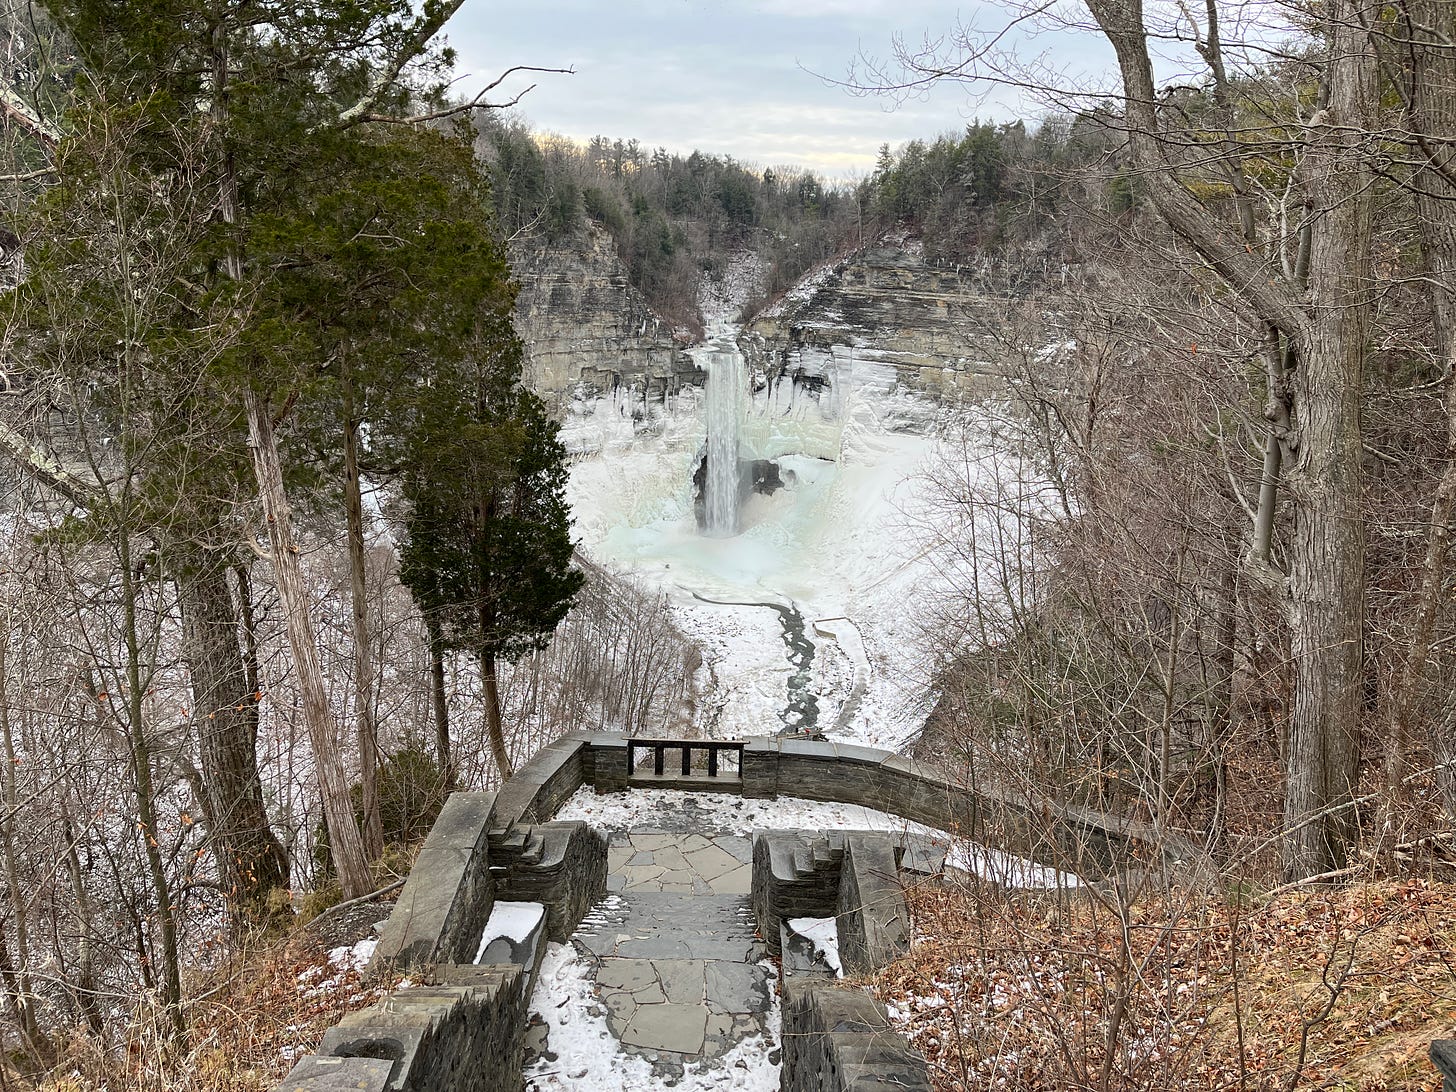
<point>1308,282</point>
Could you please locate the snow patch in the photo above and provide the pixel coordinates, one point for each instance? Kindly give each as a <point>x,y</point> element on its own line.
<point>664,809</point>
<point>353,957</point>
<point>823,933</point>
<point>513,921</point>
<point>1006,869</point>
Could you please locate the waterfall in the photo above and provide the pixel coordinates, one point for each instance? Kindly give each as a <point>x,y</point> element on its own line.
<point>723,405</point>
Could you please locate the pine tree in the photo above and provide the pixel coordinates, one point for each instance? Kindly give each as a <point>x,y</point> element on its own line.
<point>488,554</point>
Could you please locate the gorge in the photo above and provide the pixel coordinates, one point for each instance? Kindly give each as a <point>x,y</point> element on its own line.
<point>772,487</point>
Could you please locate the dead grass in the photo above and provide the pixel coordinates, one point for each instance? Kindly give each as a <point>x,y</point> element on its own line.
<point>1329,989</point>
<point>249,1022</point>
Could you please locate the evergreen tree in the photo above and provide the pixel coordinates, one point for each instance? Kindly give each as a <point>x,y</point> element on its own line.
<point>488,553</point>
<point>243,110</point>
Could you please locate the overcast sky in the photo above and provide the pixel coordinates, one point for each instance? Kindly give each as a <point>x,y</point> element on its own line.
<point>733,77</point>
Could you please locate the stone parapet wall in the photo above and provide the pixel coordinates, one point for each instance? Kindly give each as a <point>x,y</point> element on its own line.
<point>1088,843</point>
<point>536,792</point>
<point>871,914</point>
<point>840,1040</point>
<point>852,876</point>
<point>464,1031</point>
<point>1077,840</point>
<point>1443,1057</point>
<point>468,1032</point>
<point>449,894</point>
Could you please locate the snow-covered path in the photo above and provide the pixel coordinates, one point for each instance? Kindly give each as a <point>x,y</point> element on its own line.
<point>665,981</point>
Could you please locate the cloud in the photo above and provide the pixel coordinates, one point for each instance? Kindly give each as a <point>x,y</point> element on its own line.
<point>727,76</point>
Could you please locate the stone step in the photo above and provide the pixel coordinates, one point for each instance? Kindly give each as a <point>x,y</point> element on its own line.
<point>825,856</point>
<point>511,843</point>
<point>534,847</point>
<point>803,860</point>
<point>663,926</point>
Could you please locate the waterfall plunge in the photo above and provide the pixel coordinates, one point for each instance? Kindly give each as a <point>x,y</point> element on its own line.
<point>723,405</point>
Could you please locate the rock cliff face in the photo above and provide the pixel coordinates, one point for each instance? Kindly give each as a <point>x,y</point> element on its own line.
<point>586,328</point>
<point>882,319</point>
<point>887,307</point>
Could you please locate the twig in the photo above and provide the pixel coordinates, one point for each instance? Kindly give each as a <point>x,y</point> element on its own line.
<point>1333,875</point>
<point>28,176</point>
<point>352,902</point>
<point>477,103</point>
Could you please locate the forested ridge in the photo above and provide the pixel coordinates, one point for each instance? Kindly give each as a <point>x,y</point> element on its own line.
<point>994,190</point>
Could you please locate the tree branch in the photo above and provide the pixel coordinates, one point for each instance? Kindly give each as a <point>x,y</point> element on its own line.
<point>436,13</point>
<point>20,112</point>
<point>477,103</point>
<point>42,467</point>
<point>27,176</point>
<point>1233,259</point>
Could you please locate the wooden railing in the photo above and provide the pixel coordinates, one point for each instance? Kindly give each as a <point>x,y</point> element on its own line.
<point>659,748</point>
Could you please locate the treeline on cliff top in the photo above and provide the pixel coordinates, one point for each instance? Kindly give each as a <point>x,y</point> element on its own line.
<point>673,216</point>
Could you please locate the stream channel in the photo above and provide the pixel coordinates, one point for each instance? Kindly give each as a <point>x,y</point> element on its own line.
<point>801,710</point>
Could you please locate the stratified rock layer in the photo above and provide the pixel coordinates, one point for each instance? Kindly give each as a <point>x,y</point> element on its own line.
<point>888,306</point>
<point>586,328</point>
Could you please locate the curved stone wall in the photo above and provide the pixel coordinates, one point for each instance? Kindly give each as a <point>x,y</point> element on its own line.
<point>1089,843</point>
<point>468,1026</point>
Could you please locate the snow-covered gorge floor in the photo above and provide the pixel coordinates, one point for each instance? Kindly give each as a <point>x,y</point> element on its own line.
<point>833,544</point>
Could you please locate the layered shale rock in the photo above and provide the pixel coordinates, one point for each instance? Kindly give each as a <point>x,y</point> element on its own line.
<point>587,330</point>
<point>887,309</point>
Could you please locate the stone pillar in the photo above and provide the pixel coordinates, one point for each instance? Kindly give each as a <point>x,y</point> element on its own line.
<point>760,769</point>
<point>836,1039</point>
<point>608,762</point>
<point>872,916</point>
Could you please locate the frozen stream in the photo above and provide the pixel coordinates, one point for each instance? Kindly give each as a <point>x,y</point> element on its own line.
<point>801,712</point>
<point>831,553</point>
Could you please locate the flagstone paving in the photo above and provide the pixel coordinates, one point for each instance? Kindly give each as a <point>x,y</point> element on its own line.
<point>677,959</point>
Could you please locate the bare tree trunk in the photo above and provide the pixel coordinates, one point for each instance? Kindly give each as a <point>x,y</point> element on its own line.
<point>1327,571</point>
<point>438,703</point>
<point>1430,27</point>
<point>493,716</point>
<point>17,975</point>
<point>365,729</point>
<point>251,861</point>
<point>84,986</point>
<point>346,845</point>
<point>140,753</point>
<point>1329,332</point>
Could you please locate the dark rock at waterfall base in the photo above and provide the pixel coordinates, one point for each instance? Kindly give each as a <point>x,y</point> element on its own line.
<point>754,476</point>
<point>765,477</point>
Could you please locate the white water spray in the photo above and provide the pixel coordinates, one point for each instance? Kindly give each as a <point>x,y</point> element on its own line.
<point>723,409</point>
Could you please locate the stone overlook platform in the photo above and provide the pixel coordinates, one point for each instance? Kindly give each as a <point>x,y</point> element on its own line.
<point>676,955</point>
<point>679,924</point>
